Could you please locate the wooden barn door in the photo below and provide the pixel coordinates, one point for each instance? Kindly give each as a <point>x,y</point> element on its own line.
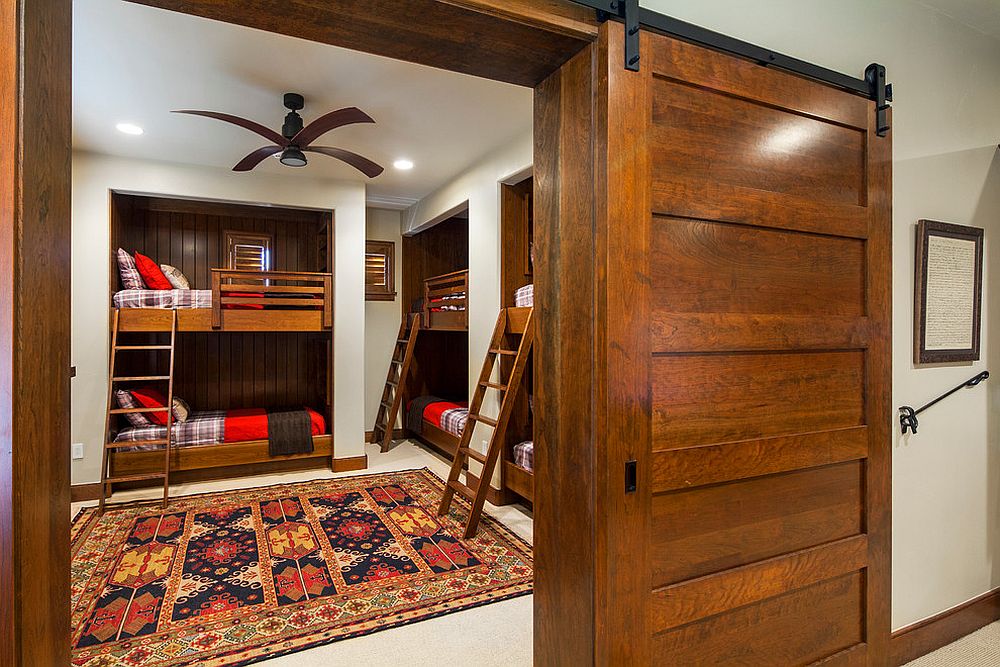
<point>747,218</point>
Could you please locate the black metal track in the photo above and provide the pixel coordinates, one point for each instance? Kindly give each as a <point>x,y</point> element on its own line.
<point>702,36</point>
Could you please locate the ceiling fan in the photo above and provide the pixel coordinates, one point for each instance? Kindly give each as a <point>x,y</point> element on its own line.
<point>295,141</point>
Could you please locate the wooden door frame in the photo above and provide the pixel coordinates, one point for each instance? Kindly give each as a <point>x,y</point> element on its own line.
<point>35,239</point>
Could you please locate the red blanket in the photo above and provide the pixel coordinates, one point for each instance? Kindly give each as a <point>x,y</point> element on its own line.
<point>433,412</point>
<point>251,424</point>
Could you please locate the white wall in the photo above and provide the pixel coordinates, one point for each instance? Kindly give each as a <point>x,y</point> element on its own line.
<point>382,318</point>
<point>94,176</point>
<point>946,125</point>
<point>480,187</point>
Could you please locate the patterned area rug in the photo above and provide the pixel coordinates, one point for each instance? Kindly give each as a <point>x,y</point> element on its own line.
<point>237,577</point>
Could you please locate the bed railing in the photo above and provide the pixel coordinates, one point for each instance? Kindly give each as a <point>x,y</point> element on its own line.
<point>449,290</point>
<point>272,290</point>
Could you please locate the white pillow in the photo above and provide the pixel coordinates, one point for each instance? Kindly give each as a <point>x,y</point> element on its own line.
<point>176,278</point>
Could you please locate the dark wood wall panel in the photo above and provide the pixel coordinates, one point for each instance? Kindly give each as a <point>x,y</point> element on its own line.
<point>762,148</point>
<point>220,371</point>
<point>709,267</point>
<point>442,249</point>
<point>713,528</point>
<point>704,399</point>
<point>795,629</point>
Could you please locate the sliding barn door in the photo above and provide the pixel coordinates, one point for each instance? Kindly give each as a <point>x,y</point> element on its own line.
<point>739,356</point>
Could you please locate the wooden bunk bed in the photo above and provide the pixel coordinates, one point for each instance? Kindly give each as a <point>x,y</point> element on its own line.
<point>247,339</point>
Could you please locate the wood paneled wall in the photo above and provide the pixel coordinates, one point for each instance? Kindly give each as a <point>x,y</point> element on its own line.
<point>442,249</point>
<point>219,371</point>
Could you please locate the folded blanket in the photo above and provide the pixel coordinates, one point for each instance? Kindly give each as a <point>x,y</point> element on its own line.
<point>289,433</point>
<point>415,415</point>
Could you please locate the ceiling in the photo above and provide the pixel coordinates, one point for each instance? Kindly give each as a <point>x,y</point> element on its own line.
<point>981,15</point>
<point>135,64</point>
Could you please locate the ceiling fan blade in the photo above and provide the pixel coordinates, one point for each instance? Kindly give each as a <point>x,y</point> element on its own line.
<point>255,158</point>
<point>362,164</point>
<point>330,121</point>
<point>246,124</point>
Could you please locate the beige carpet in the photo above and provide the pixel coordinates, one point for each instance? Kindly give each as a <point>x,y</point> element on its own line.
<point>980,649</point>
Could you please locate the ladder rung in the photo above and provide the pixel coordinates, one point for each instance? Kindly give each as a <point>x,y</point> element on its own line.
<point>134,478</point>
<point>393,384</point>
<point>143,347</point>
<point>141,378</point>
<point>494,385</point>
<point>387,405</point>
<point>394,360</point>
<point>402,340</point>
<point>133,443</point>
<point>509,353</point>
<point>484,420</point>
<point>468,451</point>
<point>131,411</point>
<point>463,490</point>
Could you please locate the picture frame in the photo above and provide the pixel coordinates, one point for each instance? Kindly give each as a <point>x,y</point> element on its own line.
<point>948,293</point>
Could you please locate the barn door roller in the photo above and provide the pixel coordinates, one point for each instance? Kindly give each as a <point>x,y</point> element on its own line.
<point>873,86</point>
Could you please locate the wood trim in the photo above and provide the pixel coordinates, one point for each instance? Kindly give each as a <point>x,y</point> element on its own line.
<point>80,493</point>
<point>930,634</point>
<point>35,183</point>
<point>519,481</point>
<point>225,455</point>
<point>200,320</point>
<point>351,463</point>
<point>718,332</point>
<point>518,41</point>
<point>397,434</point>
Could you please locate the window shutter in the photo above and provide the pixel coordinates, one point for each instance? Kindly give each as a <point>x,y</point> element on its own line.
<point>380,279</point>
<point>249,252</point>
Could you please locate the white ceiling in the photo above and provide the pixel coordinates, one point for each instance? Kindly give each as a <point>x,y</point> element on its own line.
<point>981,15</point>
<point>135,64</point>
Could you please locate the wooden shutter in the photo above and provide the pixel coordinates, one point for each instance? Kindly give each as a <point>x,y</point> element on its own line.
<point>249,251</point>
<point>380,278</point>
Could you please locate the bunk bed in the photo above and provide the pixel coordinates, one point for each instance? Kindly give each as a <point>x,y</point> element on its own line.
<point>251,347</point>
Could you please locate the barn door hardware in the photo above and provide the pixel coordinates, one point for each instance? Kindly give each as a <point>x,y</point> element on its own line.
<point>631,476</point>
<point>636,18</point>
<point>881,92</point>
<point>908,416</point>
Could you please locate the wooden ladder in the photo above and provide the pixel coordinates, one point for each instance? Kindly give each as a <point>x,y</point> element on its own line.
<point>106,480</point>
<point>508,391</point>
<point>392,397</point>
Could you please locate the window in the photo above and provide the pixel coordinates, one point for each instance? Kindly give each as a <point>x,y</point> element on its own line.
<point>248,251</point>
<point>380,277</point>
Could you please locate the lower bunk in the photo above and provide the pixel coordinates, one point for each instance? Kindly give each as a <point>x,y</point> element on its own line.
<point>437,423</point>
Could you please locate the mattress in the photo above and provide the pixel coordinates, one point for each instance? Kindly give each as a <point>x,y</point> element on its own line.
<point>524,455</point>
<point>525,297</point>
<point>211,427</point>
<point>163,298</point>
<point>439,305</point>
<point>447,416</point>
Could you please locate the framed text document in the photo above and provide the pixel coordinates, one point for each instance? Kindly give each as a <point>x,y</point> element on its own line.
<point>948,295</point>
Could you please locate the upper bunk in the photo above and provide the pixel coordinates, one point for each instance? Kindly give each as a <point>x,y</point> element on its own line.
<point>435,276</point>
<point>236,267</point>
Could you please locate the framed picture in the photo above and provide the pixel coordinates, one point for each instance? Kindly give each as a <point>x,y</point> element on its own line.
<point>948,296</point>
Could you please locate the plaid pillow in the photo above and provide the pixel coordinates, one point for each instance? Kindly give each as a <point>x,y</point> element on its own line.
<point>177,279</point>
<point>127,402</point>
<point>131,279</point>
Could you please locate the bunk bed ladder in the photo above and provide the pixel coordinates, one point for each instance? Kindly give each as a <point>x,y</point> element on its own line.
<point>113,381</point>
<point>392,396</point>
<point>508,392</point>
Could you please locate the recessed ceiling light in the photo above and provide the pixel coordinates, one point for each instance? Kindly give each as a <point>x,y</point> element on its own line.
<point>129,128</point>
<point>403,165</point>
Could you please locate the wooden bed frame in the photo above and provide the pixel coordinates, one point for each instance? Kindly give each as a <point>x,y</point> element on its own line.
<point>280,314</point>
<point>438,287</point>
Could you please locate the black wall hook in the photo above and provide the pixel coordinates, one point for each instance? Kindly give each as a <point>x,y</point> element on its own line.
<point>908,416</point>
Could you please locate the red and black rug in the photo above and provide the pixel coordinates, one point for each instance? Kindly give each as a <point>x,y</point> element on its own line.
<point>238,577</point>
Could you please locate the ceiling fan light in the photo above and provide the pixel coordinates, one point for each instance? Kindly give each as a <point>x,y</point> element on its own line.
<point>293,157</point>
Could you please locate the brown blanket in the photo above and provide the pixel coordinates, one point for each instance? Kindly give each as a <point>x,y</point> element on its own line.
<point>289,432</point>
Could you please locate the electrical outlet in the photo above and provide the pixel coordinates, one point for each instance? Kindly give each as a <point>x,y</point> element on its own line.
<point>77,451</point>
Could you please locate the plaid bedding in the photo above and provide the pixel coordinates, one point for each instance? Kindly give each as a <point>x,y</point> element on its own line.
<point>453,421</point>
<point>201,428</point>
<point>524,455</point>
<point>437,303</point>
<point>163,298</point>
<point>525,297</point>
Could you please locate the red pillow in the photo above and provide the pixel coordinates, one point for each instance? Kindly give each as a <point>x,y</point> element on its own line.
<point>148,397</point>
<point>151,273</point>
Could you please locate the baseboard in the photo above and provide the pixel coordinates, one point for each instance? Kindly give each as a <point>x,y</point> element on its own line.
<point>397,434</point>
<point>493,496</point>
<point>79,493</point>
<point>932,633</point>
<point>351,463</point>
